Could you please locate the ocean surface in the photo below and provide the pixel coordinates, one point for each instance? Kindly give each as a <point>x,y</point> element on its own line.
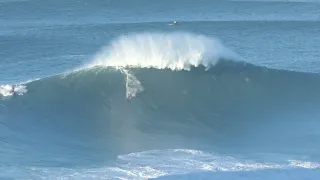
<point>110,89</point>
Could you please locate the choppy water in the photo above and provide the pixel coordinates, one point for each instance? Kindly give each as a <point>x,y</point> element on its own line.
<point>111,90</point>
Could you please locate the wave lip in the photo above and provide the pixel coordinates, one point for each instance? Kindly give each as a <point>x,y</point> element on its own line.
<point>176,51</point>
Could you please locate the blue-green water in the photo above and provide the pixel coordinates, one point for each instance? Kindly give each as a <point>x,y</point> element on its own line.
<point>113,90</point>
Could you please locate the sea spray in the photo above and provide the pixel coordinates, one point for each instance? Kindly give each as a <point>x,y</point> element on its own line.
<point>176,51</point>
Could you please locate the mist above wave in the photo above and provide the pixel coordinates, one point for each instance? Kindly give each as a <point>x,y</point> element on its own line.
<point>175,51</point>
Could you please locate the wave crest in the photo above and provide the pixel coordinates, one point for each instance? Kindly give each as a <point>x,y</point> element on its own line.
<point>175,51</point>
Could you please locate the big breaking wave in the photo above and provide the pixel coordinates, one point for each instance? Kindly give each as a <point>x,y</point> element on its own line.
<point>175,51</point>
<point>194,90</point>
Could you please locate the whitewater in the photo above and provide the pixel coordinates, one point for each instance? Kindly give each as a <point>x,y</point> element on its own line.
<point>113,90</point>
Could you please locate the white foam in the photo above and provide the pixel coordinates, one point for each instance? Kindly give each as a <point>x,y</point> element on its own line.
<point>133,85</point>
<point>176,51</point>
<point>305,164</point>
<point>20,89</point>
<point>171,162</point>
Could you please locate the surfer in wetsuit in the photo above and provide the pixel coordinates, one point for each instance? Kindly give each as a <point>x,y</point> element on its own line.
<point>12,90</point>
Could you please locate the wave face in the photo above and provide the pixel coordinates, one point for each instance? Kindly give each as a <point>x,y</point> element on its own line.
<point>223,105</point>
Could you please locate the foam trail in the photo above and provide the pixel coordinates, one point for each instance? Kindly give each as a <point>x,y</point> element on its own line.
<point>133,85</point>
<point>176,51</point>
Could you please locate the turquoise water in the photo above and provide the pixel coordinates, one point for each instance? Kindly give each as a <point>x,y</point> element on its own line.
<point>112,90</point>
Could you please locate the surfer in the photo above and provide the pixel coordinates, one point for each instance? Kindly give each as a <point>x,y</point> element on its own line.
<point>174,23</point>
<point>12,90</point>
